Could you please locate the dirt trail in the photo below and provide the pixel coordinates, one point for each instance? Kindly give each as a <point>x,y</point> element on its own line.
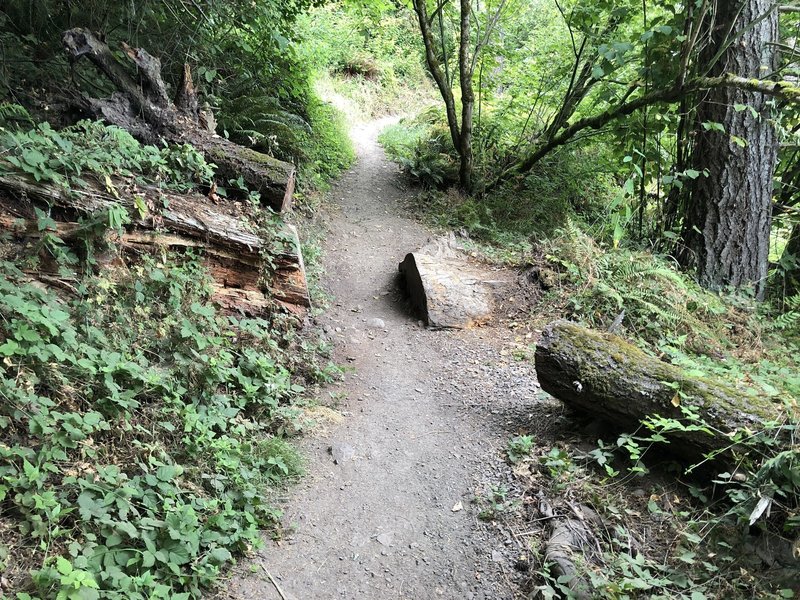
<point>426,419</point>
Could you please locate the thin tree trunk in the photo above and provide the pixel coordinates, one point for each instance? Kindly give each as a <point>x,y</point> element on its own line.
<point>727,223</point>
<point>442,81</point>
<point>467,101</point>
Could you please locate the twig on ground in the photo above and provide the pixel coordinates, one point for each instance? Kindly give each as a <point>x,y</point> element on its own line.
<point>273,581</point>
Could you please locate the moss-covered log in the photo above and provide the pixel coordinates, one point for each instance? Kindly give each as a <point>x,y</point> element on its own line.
<point>605,376</point>
<point>142,106</point>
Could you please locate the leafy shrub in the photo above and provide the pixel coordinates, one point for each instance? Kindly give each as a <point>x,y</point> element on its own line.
<point>255,119</point>
<point>319,143</point>
<point>519,448</point>
<point>423,149</point>
<point>367,42</point>
<point>90,148</point>
<point>140,433</point>
<point>328,148</point>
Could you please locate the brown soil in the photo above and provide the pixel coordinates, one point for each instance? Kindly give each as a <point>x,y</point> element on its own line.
<point>427,416</point>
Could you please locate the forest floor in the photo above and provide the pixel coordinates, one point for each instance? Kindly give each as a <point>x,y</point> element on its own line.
<point>390,506</point>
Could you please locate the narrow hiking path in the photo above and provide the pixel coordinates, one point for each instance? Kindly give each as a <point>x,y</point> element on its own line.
<point>387,509</point>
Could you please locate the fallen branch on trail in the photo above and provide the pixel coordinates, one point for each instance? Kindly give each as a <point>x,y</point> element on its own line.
<point>144,109</point>
<point>609,378</point>
<point>244,280</point>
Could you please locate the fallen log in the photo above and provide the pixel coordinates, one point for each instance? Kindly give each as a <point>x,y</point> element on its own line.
<point>609,378</point>
<point>143,108</point>
<point>244,280</point>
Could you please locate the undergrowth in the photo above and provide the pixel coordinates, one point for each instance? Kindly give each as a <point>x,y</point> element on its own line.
<point>91,149</point>
<point>142,431</point>
<point>317,142</point>
<point>734,535</point>
<point>368,59</point>
<point>693,536</point>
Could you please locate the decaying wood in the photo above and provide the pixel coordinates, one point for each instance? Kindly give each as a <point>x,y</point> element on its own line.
<point>144,109</point>
<point>233,255</point>
<point>605,376</point>
<point>572,543</point>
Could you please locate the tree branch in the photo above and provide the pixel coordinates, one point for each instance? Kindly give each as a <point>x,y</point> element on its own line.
<point>779,89</point>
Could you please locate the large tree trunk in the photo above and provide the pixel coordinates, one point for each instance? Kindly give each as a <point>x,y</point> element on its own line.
<point>727,225</point>
<point>605,376</point>
<point>143,107</point>
<point>244,279</point>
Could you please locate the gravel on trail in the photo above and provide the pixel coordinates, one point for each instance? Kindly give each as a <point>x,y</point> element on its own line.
<point>390,505</point>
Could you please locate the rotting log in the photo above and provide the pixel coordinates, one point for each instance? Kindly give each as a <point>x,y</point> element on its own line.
<point>243,279</point>
<point>142,106</point>
<point>607,377</point>
<point>573,540</point>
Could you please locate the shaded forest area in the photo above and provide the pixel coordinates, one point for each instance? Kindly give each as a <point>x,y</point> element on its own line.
<point>637,161</point>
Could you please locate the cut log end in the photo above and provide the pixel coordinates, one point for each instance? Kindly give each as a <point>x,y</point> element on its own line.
<point>446,292</point>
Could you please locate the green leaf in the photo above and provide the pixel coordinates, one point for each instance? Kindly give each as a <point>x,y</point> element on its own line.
<point>63,566</point>
<point>31,472</point>
<point>10,348</point>
<point>219,555</point>
<point>128,528</point>
<point>148,559</point>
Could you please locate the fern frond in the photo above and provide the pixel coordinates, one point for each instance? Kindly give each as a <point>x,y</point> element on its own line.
<point>14,112</point>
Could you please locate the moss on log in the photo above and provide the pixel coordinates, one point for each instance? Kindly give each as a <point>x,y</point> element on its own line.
<point>610,378</point>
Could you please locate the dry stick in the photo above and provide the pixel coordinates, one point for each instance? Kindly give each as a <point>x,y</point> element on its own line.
<point>272,580</point>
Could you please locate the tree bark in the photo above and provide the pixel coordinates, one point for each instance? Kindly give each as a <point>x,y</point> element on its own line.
<point>467,101</point>
<point>244,280</point>
<point>143,107</point>
<point>607,377</point>
<point>727,223</point>
<point>460,133</point>
<point>442,82</point>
